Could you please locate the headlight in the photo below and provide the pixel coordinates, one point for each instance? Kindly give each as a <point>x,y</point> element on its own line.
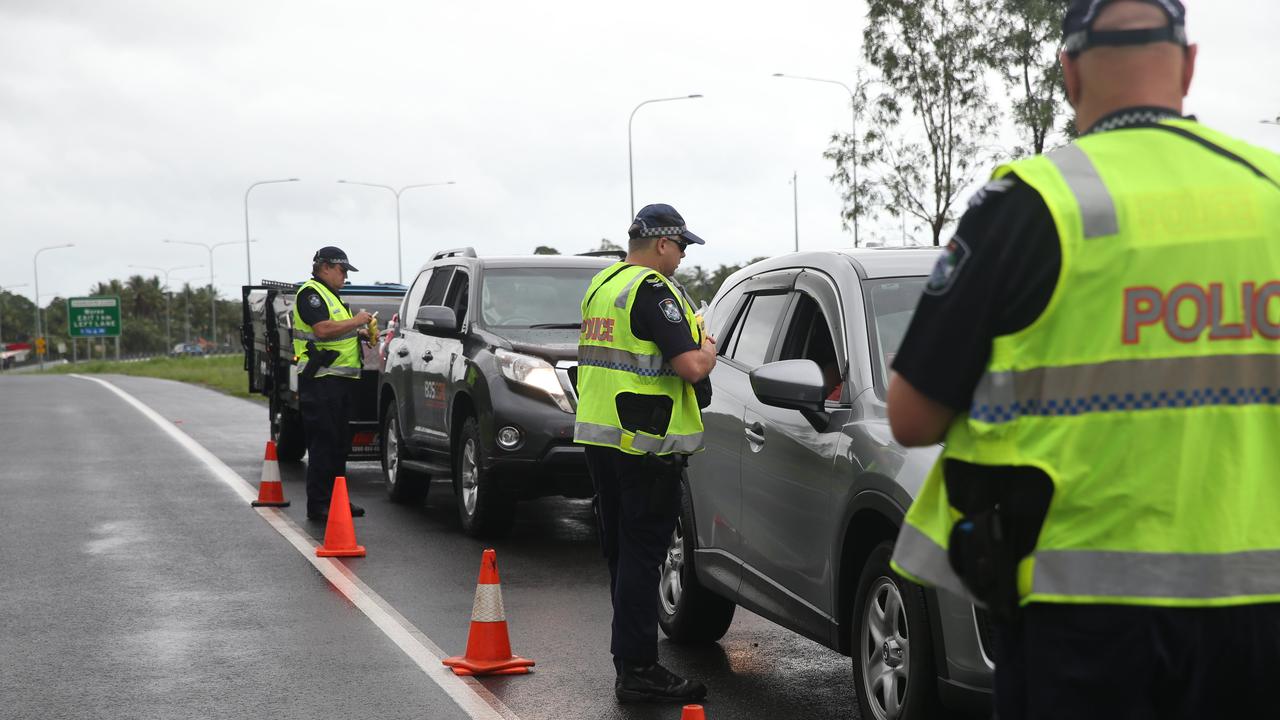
<point>533,372</point>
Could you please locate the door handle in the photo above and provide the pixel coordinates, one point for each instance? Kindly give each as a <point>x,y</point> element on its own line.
<point>427,355</point>
<point>754,433</point>
<point>402,351</point>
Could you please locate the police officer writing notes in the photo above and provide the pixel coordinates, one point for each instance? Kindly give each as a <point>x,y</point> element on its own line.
<point>326,341</point>
<point>640,353</point>
<point>1097,349</point>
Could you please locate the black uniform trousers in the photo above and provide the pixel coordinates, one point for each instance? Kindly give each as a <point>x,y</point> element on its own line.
<point>637,502</point>
<point>1138,663</point>
<point>326,406</point>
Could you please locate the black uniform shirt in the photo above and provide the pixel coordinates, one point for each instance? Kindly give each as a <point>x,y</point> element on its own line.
<point>312,308</point>
<point>657,315</point>
<point>995,277</point>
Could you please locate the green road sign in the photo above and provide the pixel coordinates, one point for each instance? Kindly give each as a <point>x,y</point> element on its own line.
<point>93,316</point>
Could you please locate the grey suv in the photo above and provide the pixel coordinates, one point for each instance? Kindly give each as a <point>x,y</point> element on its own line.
<point>793,508</point>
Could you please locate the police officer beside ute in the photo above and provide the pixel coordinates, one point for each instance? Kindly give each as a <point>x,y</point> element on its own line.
<point>326,342</point>
<point>640,353</point>
<point>1097,349</point>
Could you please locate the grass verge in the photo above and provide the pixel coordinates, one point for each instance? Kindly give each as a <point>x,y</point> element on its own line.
<point>224,373</point>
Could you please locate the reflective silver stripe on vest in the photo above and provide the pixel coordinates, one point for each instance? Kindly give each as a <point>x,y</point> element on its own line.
<point>1098,573</point>
<point>1097,209</point>
<point>340,371</point>
<point>1125,385</point>
<point>919,555</point>
<point>613,359</point>
<point>621,302</point>
<point>594,433</point>
<point>605,435</point>
<point>299,335</point>
<point>686,444</point>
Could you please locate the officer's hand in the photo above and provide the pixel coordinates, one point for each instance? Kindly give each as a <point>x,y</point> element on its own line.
<point>709,344</point>
<point>362,317</point>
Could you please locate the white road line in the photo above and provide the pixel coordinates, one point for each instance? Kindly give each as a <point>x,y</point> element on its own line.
<point>468,693</point>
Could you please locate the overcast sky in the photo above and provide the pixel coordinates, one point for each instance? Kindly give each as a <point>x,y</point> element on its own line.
<point>125,123</point>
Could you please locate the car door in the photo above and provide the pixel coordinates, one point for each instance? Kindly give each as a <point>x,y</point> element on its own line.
<point>440,352</point>
<point>742,320</point>
<point>788,472</point>
<point>399,365</point>
<point>424,397</point>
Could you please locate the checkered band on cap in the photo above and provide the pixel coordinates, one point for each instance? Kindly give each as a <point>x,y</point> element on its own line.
<point>488,604</point>
<point>662,231</point>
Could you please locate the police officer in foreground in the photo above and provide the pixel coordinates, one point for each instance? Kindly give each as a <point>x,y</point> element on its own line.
<point>326,342</point>
<point>640,354</point>
<point>1098,351</point>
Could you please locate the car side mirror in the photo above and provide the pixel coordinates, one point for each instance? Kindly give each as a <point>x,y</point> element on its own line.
<point>436,320</point>
<point>791,384</point>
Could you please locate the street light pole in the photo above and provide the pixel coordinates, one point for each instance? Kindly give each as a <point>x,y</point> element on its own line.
<point>168,339</point>
<point>248,263</point>
<point>35,266</point>
<point>399,254</point>
<point>213,303</point>
<point>853,102</point>
<point>631,180</point>
<point>795,207</point>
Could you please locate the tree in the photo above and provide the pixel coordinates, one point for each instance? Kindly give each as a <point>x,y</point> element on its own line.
<point>927,54</point>
<point>545,250</point>
<point>1022,42</point>
<point>607,244</point>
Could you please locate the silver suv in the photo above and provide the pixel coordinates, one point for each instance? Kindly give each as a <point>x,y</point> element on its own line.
<point>793,508</point>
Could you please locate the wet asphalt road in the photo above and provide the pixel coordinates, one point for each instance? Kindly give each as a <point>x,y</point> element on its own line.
<point>138,585</point>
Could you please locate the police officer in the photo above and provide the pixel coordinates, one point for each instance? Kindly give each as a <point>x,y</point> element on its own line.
<point>326,341</point>
<point>1097,349</point>
<point>640,353</point>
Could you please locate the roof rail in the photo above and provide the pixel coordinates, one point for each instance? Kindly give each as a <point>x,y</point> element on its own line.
<point>620,254</point>
<point>455,252</point>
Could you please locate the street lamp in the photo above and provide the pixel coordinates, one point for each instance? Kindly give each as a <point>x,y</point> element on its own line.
<point>35,266</point>
<point>631,180</point>
<point>1271,122</point>
<point>168,345</point>
<point>248,263</point>
<point>853,102</point>
<point>213,304</point>
<point>399,255</point>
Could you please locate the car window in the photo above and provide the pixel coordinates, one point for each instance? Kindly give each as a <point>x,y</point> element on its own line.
<point>722,312</point>
<point>890,304</point>
<point>751,339</point>
<point>534,296</point>
<point>437,286</point>
<point>808,337</point>
<point>459,294</point>
<point>413,300</point>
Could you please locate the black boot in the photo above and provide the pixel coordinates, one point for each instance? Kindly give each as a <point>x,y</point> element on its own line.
<point>653,683</point>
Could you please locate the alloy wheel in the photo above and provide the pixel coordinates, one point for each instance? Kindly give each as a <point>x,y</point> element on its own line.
<point>391,451</point>
<point>671,584</point>
<point>470,473</point>
<point>885,650</point>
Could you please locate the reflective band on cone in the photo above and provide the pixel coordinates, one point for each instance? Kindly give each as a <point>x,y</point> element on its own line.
<point>488,645</point>
<point>270,491</point>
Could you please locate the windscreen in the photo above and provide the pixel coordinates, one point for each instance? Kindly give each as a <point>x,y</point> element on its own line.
<point>891,303</point>
<point>534,297</point>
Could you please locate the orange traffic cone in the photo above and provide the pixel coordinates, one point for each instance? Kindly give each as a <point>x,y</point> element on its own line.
<point>270,491</point>
<point>339,533</point>
<point>488,647</point>
<point>692,712</point>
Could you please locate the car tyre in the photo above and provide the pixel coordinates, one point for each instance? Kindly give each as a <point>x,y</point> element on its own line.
<point>482,508</point>
<point>892,645</point>
<point>687,611</point>
<point>403,485</point>
<point>288,434</point>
